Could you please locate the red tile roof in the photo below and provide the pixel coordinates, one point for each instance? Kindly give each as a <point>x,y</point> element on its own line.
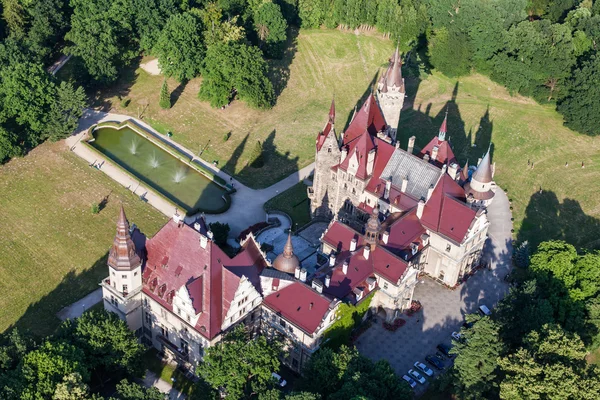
<point>369,118</point>
<point>445,154</point>
<point>328,126</point>
<point>404,230</point>
<point>446,211</point>
<point>210,275</point>
<point>300,305</point>
<point>360,149</point>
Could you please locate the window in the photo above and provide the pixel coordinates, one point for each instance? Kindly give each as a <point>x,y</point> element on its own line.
<point>123,276</point>
<point>441,276</point>
<point>178,311</point>
<point>329,149</point>
<point>448,247</point>
<point>113,273</point>
<point>184,346</point>
<point>146,304</point>
<point>294,363</point>
<point>353,191</point>
<point>201,350</point>
<point>148,319</point>
<point>135,273</point>
<point>113,300</point>
<point>282,322</point>
<point>385,285</point>
<point>125,289</point>
<point>164,331</point>
<point>189,319</point>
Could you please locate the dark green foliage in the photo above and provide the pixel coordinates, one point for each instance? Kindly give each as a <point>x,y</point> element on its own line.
<point>150,17</point>
<point>65,112</point>
<point>47,24</point>
<point>271,29</point>
<point>240,365</point>
<point>230,66</point>
<point>256,157</point>
<point>582,98</point>
<point>95,208</point>
<point>132,391</point>
<point>449,51</point>
<point>521,255</point>
<point>220,232</point>
<point>311,13</point>
<point>345,374</point>
<point>165,97</point>
<point>106,53</point>
<point>125,102</point>
<point>179,47</point>
<point>349,317</point>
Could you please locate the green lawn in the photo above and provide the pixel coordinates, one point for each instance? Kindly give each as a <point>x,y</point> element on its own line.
<point>168,373</point>
<point>53,248</point>
<point>294,202</point>
<point>519,130</point>
<point>319,64</point>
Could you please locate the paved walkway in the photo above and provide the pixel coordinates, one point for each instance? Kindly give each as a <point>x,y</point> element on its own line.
<point>79,307</point>
<point>444,309</point>
<point>151,379</point>
<point>247,204</point>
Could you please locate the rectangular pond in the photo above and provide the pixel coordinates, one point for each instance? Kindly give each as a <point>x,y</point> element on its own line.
<point>159,169</point>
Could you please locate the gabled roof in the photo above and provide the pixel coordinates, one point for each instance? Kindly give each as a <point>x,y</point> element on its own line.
<point>360,149</point>
<point>404,230</point>
<point>369,118</point>
<point>300,305</point>
<point>328,128</point>
<point>175,258</point>
<point>122,255</point>
<point>445,155</point>
<point>446,211</point>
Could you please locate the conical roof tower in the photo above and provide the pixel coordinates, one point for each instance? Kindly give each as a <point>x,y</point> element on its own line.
<point>287,261</point>
<point>122,255</point>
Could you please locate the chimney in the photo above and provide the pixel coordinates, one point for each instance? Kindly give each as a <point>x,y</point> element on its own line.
<point>344,153</point>
<point>210,235</point>
<point>434,153</point>
<point>444,169</point>
<point>310,306</point>
<point>453,171</point>
<point>203,241</point>
<point>317,285</point>
<point>353,244</point>
<point>345,267</point>
<point>327,280</point>
<point>388,186</point>
<point>303,274</point>
<point>331,260</point>
<point>420,207</point>
<point>197,226</point>
<point>177,218</point>
<point>297,272</point>
<point>397,144</point>
<point>366,252</point>
<point>385,237</point>
<point>404,184</point>
<point>426,158</point>
<point>411,144</point>
<point>429,192</point>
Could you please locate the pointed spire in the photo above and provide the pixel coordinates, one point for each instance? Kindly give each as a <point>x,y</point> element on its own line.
<point>288,249</point>
<point>464,173</point>
<point>332,112</point>
<point>444,127</point>
<point>122,255</point>
<point>483,173</point>
<point>393,76</point>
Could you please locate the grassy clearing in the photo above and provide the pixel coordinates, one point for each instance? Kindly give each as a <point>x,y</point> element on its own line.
<point>519,130</point>
<point>53,248</point>
<point>294,202</point>
<point>168,373</point>
<point>318,65</point>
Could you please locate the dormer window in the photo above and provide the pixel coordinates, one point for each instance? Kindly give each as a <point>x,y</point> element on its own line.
<point>448,247</point>
<point>161,290</point>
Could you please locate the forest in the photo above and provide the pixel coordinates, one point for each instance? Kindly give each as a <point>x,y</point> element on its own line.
<point>545,49</point>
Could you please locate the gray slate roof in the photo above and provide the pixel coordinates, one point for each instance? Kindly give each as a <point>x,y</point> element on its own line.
<point>421,174</point>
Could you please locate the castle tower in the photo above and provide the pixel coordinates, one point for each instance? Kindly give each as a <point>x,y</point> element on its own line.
<point>122,289</point>
<point>327,155</point>
<point>287,261</point>
<point>373,227</point>
<point>390,94</point>
<point>479,190</point>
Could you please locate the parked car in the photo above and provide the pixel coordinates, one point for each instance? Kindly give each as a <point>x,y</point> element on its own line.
<point>484,310</point>
<point>410,381</point>
<point>456,336</point>
<point>436,362</point>
<point>445,350</point>
<point>280,381</point>
<point>416,376</point>
<point>423,368</point>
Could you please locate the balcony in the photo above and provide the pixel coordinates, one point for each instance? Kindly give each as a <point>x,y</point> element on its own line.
<point>106,283</point>
<point>179,353</point>
<point>310,191</point>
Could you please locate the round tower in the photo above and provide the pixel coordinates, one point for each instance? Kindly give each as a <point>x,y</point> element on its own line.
<point>373,227</point>
<point>479,189</point>
<point>287,261</point>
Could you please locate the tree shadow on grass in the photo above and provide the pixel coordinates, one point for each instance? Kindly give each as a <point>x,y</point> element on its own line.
<point>101,96</point>
<point>175,94</point>
<point>279,70</point>
<point>548,219</point>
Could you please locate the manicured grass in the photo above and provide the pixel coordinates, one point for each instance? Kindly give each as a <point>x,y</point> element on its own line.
<point>53,248</point>
<point>168,373</point>
<point>294,202</point>
<point>319,64</point>
<point>519,130</point>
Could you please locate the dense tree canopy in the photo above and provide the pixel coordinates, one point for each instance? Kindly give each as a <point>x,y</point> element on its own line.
<point>271,28</point>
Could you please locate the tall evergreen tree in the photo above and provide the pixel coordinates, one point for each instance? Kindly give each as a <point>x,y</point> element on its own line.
<point>165,96</point>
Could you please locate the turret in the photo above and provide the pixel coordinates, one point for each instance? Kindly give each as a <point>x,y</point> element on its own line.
<point>390,94</point>
<point>123,262</point>
<point>479,190</point>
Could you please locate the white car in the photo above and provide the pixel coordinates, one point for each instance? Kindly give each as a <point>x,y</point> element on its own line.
<point>416,376</point>
<point>410,381</point>
<point>423,368</point>
<point>456,336</point>
<point>280,381</point>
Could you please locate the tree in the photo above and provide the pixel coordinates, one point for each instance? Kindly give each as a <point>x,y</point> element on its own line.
<point>216,30</point>
<point>103,36</point>
<point>72,387</point>
<point>65,112</point>
<point>449,52</point>
<point>179,47</point>
<point>477,357</point>
<point>239,364</point>
<point>109,345</point>
<point>165,96</point>
<point>551,364</point>
<point>150,18</point>
<point>14,15</point>
<point>582,97</point>
<point>48,22</point>
<point>220,232</point>
<point>311,13</point>
<point>132,391</point>
<point>235,66</point>
<point>256,157</point>
<point>271,29</point>
<point>521,255</point>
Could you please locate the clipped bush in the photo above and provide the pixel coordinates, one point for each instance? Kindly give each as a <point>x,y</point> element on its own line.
<point>125,102</point>
<point>95,208</point>
<point>226,136</point>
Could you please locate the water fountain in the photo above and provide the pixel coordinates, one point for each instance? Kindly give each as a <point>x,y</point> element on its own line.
<point>179,175</point>
<point>154,163</point>
<point>133,147</point>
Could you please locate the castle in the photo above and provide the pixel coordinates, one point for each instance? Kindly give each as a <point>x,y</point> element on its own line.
<point>393,215</point>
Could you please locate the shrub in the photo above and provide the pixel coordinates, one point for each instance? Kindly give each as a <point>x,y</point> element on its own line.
<point>226,136</point>
<point>125,102</point>
<point>165,97</point>
<point>95,208</point>
<point>220,232</point>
